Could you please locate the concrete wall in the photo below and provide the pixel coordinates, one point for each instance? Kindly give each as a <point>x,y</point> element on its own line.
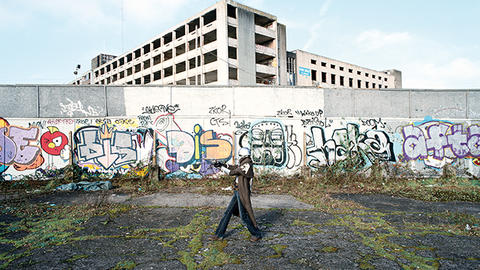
<point>246,47</point>
<point>414,132</point>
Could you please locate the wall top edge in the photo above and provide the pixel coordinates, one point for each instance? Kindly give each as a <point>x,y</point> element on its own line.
<point>245,86</point>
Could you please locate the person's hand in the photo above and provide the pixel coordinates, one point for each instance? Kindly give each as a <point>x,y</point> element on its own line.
<point>218,164</point>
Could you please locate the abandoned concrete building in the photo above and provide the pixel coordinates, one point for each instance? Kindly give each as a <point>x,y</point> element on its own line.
<point>230,44</point>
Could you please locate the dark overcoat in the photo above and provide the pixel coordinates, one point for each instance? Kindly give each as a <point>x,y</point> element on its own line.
<point>244,173</point>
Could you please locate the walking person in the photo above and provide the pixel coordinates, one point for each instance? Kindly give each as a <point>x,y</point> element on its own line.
<point>240,205</point>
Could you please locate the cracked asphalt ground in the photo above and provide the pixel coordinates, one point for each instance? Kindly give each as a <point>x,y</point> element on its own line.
<point>382,233</point>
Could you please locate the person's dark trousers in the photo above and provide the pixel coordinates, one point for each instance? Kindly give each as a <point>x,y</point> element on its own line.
<point>235,202</point>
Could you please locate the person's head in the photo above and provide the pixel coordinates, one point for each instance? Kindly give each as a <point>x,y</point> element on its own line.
<point>243,152</point>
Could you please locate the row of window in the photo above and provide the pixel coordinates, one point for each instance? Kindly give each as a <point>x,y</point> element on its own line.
<point>332,66</point>
<point>208,77</point>
<point>341,81</point>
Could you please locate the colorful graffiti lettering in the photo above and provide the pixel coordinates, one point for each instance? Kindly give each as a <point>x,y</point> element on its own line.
<point>348,142</point>
<point>197,150</point>
<point>438,142</point>
<point>108,148</point>
<point>15,147</point>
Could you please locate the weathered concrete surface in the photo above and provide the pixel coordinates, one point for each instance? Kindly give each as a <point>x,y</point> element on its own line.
<point>392,233</point>
<point>199,200</point>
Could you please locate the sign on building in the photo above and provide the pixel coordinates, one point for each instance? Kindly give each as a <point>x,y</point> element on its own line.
<point>304,71</point>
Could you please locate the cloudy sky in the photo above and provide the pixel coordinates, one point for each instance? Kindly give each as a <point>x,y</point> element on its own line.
<point>435,43</point>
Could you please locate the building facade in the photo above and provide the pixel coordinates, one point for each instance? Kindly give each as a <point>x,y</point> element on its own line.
<point>308,69</point>
<point>226,44</point>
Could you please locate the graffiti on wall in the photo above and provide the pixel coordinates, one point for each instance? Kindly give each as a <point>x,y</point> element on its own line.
<point>366,147</point>
<point>272,144</point>
<point>17,147</point>
<point>105,148</point>
<point>70,107</point>
<point>439,142</point>
<point>190,154</point>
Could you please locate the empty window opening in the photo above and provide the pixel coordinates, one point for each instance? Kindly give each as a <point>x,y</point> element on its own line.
<point>138,81</point>
<point>130,82</point>
<point>342,83</point>
<point>263,21</point>
<point>157,59</point>
<point>114,65</point>
<point>232,73</point>
<point>146,79</point>
<point>122,74</point>
<point>138,52</point>
<point>129,57</point>
<point>332,78</point>
<point>374,85</point>
<point>379,86</point>
<point>167,38</point>
<point>157,43</point>
<point>146,48</point>
<point>341,68</point>
<point>109,68</point>
<point>210,57</point>
<point>313,62</point>
<point>180,32</point>
<point>96,73</point>
<point>191,81</point>
<point>314,75</point>
<point>366,84</point>
<point>264,41</point>
<point>138,68</point>
<point>209,17</point>
<point>232,52</point>
<point>192,63</point>
<point>192,44</point>
<point>102,71</point>
<point>231,11</point>
<point>359,73</point>
<point>121,62</point>
<point>102,82</point>
<point>332,66</point>
<point>193,25</point>
<point>108,80</point>
<point>350,70</point>
<point>211,77</point>
<point>385,80</point>
<point>114,78</point>
<point>350,82</point>
<point>366,74</point>
<point>323,64</point>
<point>181,82</point>
<point>129,71</point>
<point>157,75</point>
<point>232,32</point>
<point>179,50</point>
<point>379,77</point>
<point>146,64</point>
<point>386,87</point>
<point>324,77</point>
<point>210,37</point>
<point>167,72</point>
<point>180,67</point>
<point>359,84</point>
<point>373,76</point>
<point>167,55</point>
<point>264,59</point>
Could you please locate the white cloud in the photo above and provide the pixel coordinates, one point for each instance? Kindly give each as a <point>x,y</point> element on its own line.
<point>456,73</point>
<point>314,31</point>
<point>375,39</point>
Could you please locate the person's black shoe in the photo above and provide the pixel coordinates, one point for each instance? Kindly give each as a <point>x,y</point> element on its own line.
<point>255,238</point>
